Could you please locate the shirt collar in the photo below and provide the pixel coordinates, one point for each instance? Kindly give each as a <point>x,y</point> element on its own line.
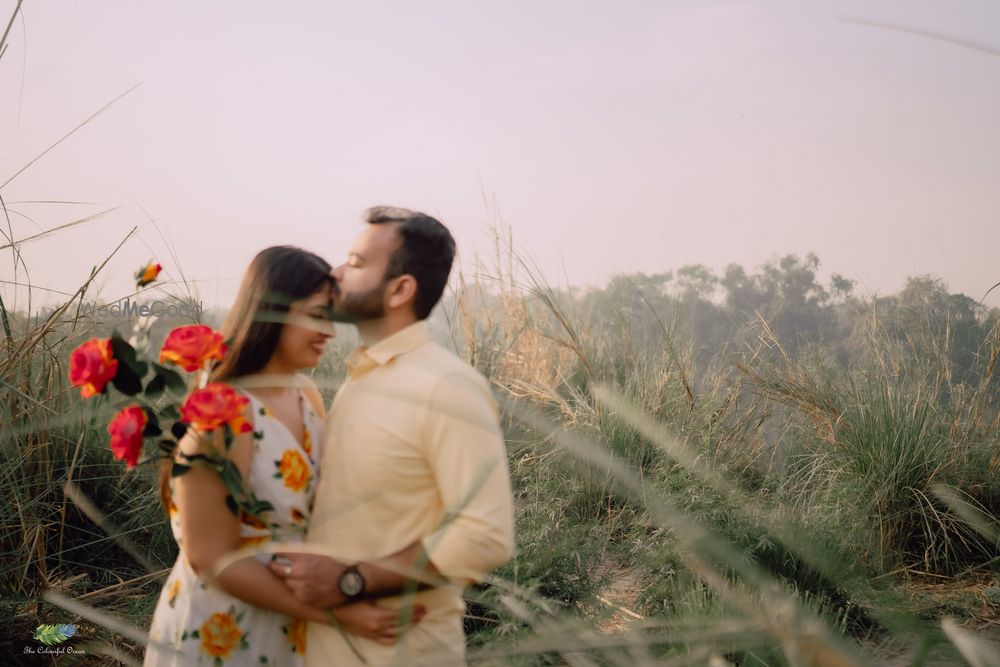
<point>405,340</point>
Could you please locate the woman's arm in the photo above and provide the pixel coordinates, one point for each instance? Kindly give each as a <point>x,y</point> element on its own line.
<point>244,580</point>
<point>209,531</point>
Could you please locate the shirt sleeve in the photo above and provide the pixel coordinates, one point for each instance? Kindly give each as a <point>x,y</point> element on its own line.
<point>466,452</point>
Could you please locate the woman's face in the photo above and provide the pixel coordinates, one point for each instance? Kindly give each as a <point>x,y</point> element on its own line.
<point>306,331</point>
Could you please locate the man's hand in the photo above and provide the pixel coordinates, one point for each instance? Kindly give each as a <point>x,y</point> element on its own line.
<point>312,579</point>
<point>382,625</point>
<point>315,580</point>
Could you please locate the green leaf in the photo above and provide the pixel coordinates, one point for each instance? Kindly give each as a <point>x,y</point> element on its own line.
<point>174,380</point>
<point>231,504</point>
<point>126,356</point>
<point>167,446</point>
<point>126,380</point>
<point>178,429</point>
<point>170,412</point>
<point>178,469</point>
<point>264,506</point>
<point>121,349</point>
<point>155,386</point>
<point>52,634</point>
<point>231,477</point>
<point>152,429</point>
<point>203,461</point>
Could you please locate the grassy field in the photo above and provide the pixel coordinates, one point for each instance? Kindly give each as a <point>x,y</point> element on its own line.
<point>687,493</point>
<point>710,468</point>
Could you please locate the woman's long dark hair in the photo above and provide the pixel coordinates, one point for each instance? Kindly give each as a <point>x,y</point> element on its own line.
<point>277,276</point>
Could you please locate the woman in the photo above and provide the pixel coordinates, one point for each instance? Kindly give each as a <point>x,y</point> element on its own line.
<point>245,615</point>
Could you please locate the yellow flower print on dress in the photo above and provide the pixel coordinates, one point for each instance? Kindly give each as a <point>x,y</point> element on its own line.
<point>221,635</point>
<point>248,519</point>
<point>172,592</point>
<point>252,540</point>
<point>307,442</point>
<point>171,505</point>
<point>292,468</point>
<point>298,516</point>
<point>295,633</point>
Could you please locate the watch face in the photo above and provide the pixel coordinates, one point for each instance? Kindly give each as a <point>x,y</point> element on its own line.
<point>351,583</point>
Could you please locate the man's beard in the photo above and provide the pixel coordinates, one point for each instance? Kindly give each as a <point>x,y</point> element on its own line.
<point>361,307</point>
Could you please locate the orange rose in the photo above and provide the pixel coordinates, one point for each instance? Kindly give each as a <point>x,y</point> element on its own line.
<point>216,404</point>
<point>295,633</point>
<point>293,469</point>
<point>147,274</point>
<point>126,434</point>
<point>191,346</point>
<point>220,635</point>
<point>92,366</point>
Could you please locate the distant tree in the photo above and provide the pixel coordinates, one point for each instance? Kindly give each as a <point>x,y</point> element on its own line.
<point>638,313</point>
<point>629,304</point>
<point>743,293</point>
<point>785,294</point>
<point>930,325</point>
<point>793,282</point>
<point>841,288</point>
<point>696,282</point>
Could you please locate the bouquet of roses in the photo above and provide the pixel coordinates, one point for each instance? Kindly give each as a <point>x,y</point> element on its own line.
<point>153,411</point>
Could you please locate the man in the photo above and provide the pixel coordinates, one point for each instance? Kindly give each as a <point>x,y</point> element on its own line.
<point>414,490</point>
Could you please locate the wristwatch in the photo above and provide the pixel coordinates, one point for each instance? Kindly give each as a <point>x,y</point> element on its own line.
<point>351,584</point>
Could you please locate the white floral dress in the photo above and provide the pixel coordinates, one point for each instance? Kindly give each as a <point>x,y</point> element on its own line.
<point>196,624</point>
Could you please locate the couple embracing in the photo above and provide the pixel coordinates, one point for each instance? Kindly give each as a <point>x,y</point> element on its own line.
<point>382,509</point>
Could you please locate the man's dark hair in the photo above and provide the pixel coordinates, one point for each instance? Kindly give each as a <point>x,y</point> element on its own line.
<point>426,251</point>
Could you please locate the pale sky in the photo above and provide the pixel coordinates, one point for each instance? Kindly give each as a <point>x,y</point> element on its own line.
<point>613,136</point>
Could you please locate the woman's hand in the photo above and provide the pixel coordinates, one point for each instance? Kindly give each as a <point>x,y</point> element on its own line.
<point>367,620</point>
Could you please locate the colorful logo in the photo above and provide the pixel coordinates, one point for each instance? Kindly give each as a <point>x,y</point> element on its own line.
<point>54,634</point>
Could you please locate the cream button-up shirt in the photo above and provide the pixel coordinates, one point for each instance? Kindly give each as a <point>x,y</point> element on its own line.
<point>413,453</point>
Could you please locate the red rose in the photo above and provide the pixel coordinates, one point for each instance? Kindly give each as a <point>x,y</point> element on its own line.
<point>147,274</point>
<point>216,404</point>
<point>191,346</point>
<point>126,434</point>
<point>91,366</point>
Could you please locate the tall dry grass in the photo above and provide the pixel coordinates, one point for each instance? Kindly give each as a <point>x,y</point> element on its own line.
<point>775,508</point>
<point>770,504</point>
